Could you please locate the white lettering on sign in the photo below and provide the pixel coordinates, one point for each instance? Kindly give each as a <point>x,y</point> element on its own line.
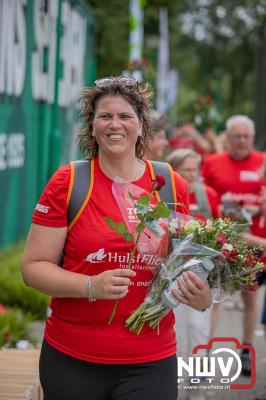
<point>12,47</point>
<point>72,55</point>
<point>12,150</point>
<point>44,57</point>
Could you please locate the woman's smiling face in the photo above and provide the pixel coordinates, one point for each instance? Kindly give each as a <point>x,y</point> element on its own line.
<point>116,126</point>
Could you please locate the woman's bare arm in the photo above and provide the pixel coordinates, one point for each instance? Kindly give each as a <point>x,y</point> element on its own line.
<point>40,270</point>
<point>39,265</point>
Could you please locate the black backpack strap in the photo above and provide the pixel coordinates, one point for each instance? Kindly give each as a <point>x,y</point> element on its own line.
<point>202,200</point>
<point>168,192</point>
<point>81,184</point>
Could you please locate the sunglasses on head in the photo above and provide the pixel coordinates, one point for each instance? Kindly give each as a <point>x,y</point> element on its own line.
<point>127,82</point>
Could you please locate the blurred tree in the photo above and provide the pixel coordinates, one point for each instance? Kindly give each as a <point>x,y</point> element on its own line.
<point>112,33</point>
<point>229,40</point>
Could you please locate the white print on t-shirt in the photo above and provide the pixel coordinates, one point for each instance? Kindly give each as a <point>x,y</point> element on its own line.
<point>41,208</point>
<point>150,260</point>
<point>132,215</point>
<point>246,198</point>
<point>140,283</point>
<point>249,176</point>
<point>96,257</point>
<point>193,207</point>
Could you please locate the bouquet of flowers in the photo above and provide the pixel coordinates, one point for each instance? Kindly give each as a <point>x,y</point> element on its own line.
<point>214,251</point>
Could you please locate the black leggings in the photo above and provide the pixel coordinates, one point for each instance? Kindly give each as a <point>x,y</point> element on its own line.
<point>67,378</point>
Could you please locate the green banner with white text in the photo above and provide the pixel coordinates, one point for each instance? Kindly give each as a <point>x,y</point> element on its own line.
<point>46,57</point>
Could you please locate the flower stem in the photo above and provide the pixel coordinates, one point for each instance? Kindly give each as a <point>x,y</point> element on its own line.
<point>113,312</point>
<point>110,320</point>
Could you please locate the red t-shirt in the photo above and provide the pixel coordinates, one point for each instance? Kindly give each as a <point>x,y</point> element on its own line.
<point>234,180</point>
<point>78,327</point>
<point>213,204</point>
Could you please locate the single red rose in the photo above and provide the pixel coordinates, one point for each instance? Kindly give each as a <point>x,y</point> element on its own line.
<point>221,238</point>
<point>158,182</point>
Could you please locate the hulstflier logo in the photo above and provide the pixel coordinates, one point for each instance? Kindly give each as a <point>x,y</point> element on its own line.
<point>140,261</point>
<point>222,366</point>
<point>96,257</point>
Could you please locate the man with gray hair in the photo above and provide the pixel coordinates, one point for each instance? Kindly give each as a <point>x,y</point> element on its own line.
<point>237,175</point>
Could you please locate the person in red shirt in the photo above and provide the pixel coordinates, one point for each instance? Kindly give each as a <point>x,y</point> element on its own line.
<point>187,136</point>
<point>197,327</point>
<point>237,175</point>
<point>82,355</point>
<point>254,240</point>
<point>157,142</point>
<point>187,163</point>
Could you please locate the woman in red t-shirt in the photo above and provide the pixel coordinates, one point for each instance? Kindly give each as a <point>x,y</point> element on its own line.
<point>82,355</point>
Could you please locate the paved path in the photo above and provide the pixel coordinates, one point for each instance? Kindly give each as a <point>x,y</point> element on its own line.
<point>230,325</point>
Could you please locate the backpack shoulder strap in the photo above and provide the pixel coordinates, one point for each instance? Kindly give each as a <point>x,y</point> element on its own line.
<point>80,189</point>
<point>202,200</point>
<point>168,192</point>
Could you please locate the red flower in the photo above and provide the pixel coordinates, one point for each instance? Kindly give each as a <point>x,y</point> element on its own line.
<point>226,253</point>
<point>252,286</point>
<point>158,182</point>
<point>231,255</point>
<point>250,259</point>
<point>221,238</point>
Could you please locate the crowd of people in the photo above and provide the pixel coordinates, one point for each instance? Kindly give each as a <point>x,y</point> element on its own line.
<point>82,356</point>
<point>226,177</point>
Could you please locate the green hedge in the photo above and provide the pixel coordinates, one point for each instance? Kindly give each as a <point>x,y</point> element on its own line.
<point>14,326</point>
<point>13,291</point>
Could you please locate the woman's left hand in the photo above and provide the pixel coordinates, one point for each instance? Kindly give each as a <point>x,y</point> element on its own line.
<point>196,293</point>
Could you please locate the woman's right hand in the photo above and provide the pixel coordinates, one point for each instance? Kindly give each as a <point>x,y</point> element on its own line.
<point>112,284</point>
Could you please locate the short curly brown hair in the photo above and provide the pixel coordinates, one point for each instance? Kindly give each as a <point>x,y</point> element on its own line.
<point>139,98</point>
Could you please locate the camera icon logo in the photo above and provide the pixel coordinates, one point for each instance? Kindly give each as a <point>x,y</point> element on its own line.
<point>224,362</point>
